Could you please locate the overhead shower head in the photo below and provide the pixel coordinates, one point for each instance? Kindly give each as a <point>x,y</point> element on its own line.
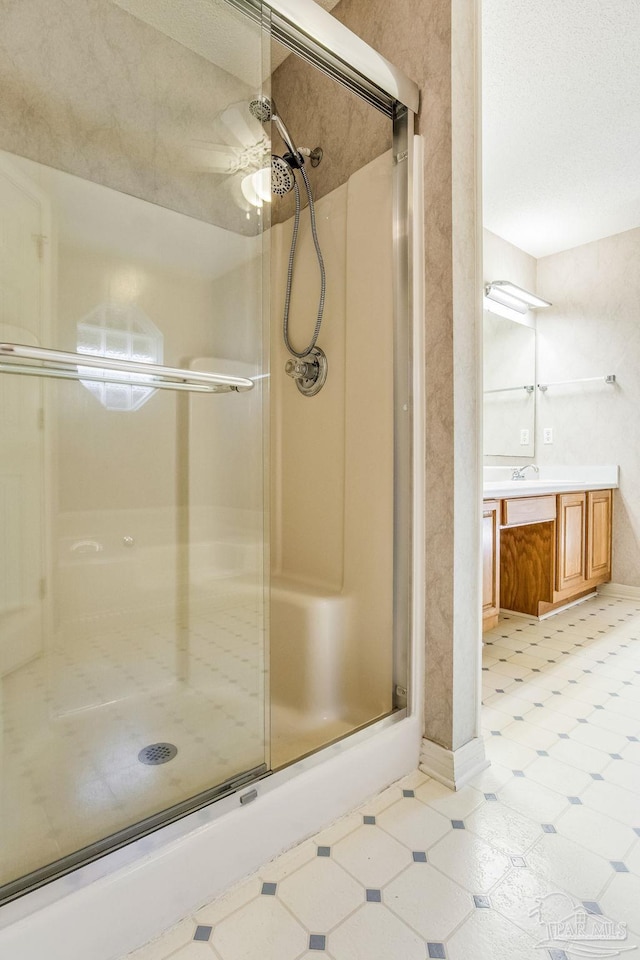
<point>264,109</point>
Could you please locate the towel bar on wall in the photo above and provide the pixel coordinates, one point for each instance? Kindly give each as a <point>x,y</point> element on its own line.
<point>529,387</point>
<point>607,378</point>
<point>79,366</point>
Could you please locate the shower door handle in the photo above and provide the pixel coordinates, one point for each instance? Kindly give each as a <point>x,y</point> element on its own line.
<point>113,370</point>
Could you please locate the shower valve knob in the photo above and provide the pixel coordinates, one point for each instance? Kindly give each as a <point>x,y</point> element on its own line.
<point>300,370</point>
<point>310,373</point>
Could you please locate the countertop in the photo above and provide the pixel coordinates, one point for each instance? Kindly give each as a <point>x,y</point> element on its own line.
<point>498,484</point>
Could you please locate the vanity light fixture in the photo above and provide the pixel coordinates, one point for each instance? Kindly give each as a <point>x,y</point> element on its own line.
<point>510,295</point>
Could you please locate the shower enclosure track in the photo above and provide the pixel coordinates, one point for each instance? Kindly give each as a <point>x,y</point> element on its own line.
<point>73,366</point>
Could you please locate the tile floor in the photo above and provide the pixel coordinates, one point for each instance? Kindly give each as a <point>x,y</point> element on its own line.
<point>550,832</point>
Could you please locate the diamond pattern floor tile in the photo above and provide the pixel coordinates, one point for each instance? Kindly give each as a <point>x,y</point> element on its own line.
<point>516,897</point>
<point>263,927</point>
<point>570,866</point>
<point>621,898</point>
<point>487,935</point>
<point>321,894</point>
<point>504,828</point>
<point>376,933</point>
<point>414,823</point>
<point>372,856</point>
<point>429,902</point>
<point>600,834</point>
<point>423,875</point>
<point>532,800</point>
<point>613,801</point>
<point>469,861</point>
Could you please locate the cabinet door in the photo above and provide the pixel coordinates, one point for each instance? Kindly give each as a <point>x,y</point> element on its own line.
<point>599,510</point>
<point>572,525</point>
<point>490,563</point>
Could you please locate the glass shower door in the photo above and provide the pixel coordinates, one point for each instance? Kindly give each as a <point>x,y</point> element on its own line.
<point>132,508</point>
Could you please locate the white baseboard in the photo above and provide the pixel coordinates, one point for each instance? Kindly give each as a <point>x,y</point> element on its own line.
<point>551,613</point>
<point>453,768</point>
<point>619,590</point>
<point>567,606</point>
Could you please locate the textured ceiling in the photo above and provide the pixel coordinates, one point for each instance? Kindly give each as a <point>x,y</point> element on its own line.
<point>561,120</point>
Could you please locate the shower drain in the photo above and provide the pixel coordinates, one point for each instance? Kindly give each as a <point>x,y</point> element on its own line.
<point>157,753</point>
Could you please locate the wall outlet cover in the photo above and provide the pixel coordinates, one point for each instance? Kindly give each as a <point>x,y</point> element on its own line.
<point>524,438</point>
<point>547,435</point>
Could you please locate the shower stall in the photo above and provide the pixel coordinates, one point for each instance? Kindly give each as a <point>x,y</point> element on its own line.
<point>205,497</point>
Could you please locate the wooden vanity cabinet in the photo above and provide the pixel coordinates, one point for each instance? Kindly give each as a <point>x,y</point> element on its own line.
<point>584,541</point>
<point>490,563</point>
<point>571,565</point>
<point>599,534</point>
<point>543,552</point>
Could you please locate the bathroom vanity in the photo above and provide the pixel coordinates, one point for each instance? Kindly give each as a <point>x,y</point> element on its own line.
<point>546,542</point>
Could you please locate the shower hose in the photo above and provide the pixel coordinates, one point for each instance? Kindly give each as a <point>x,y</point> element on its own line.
<point>292,256</point>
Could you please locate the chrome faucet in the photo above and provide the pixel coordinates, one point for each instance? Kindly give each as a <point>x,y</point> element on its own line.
<point>518,472</point>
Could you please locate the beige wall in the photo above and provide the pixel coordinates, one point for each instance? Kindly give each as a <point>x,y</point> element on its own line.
<point>320,112</point>
<point>592,330</point>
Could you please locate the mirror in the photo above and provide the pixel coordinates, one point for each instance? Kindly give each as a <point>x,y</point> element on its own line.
<point>509,368</point>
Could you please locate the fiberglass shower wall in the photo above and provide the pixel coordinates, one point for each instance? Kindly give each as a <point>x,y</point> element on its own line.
<point>132,601</point>
<point>332,463</point>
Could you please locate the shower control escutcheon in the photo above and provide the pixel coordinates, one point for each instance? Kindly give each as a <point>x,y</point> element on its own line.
<point>310,372</point>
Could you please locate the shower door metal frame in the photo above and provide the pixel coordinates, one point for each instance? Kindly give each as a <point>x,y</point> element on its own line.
<point>308,30</point>
<point>403,420</point>
<point>313,34</point>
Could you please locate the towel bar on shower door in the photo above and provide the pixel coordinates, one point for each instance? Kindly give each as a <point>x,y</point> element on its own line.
<point>78,366</point>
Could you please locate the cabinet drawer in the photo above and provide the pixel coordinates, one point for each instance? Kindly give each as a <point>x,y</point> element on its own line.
<point>528,510</point>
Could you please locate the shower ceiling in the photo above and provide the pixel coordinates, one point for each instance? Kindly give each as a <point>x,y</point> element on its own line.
<point>561,121</point>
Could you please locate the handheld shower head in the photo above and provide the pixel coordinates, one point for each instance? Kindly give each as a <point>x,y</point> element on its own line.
<point>282,177</point>
<point>264,109</point>
<point>261,109</point>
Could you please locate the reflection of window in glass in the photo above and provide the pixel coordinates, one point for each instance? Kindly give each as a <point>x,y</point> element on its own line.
<point>124,332</point>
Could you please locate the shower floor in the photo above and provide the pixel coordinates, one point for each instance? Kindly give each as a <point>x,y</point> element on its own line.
<point>74,720</point>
